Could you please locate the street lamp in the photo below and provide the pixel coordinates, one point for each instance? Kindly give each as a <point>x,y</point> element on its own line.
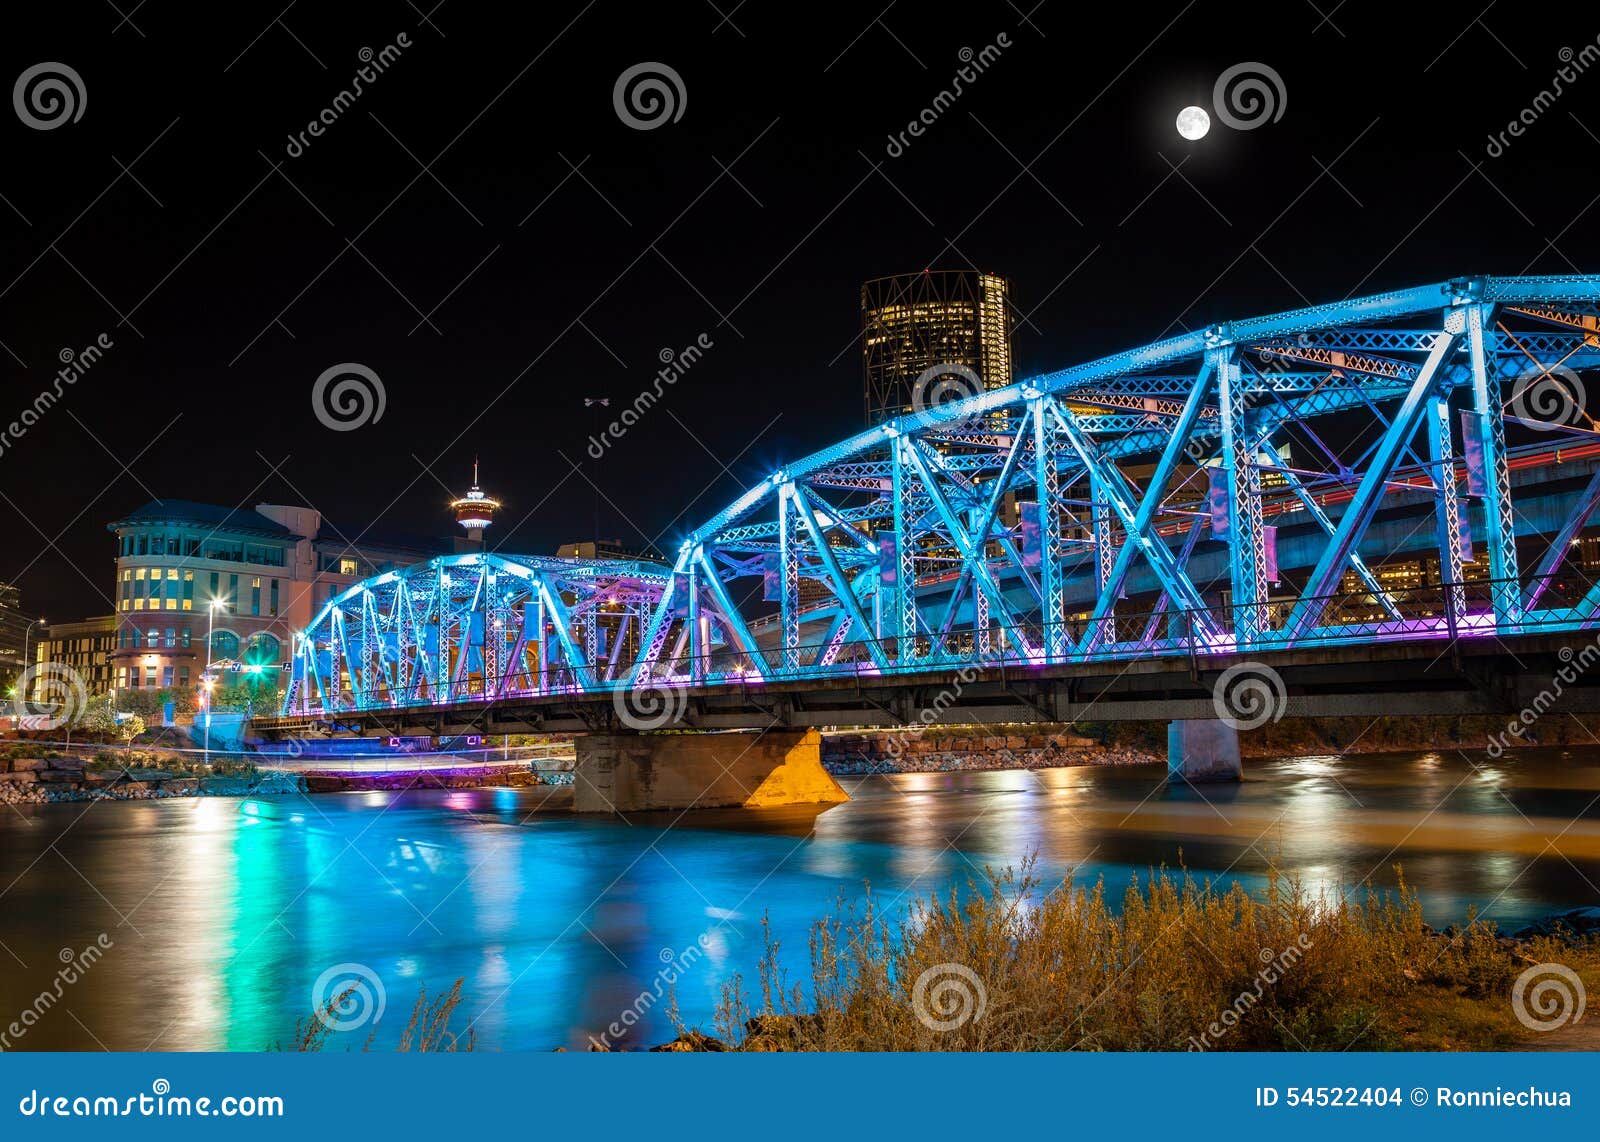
<point>26,632</point>
<point>207,682</point>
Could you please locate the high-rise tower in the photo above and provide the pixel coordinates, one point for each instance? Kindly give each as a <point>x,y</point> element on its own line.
<point>475,510</point>
<point>913,323</point>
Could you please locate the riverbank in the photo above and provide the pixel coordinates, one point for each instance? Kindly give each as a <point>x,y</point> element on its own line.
<point>1180,966</point>
<point>1476,736</point>
<point>152,775</point>
<point>156,773</point>
<point>44,780</point>
<point>517,775</point>
<point>1046,746</point>
<point>974,749</point>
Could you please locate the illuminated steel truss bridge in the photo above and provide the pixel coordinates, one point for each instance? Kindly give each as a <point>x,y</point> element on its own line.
<point>1067,519</point>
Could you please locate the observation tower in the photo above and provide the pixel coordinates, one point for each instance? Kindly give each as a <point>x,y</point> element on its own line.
<point>475,510</point>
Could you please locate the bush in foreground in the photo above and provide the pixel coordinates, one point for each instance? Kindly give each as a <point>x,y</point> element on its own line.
<point>1182,965</point>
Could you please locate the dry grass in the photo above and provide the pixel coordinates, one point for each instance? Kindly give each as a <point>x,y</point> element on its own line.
<point>427,1030</point>
<point>1181,965</point>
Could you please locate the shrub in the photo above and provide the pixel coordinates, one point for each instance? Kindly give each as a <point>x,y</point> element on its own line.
<point>1182,965</point>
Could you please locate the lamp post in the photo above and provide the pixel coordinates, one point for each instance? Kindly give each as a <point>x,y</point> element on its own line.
<point>208,682</point>
<point>26,632</point>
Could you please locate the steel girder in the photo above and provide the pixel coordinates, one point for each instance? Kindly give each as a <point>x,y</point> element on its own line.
<point>474,627</point>
<point>1057,520</point>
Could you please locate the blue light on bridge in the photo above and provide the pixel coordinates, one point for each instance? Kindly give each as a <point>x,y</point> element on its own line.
<point>1060,521</point>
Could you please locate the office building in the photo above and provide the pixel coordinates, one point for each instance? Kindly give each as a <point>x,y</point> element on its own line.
<point>265,572</point>
<point>911,323</point>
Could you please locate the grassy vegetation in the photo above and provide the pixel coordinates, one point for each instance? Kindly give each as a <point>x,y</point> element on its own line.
<point>427,1030</point>
<point>138,761</point>
<point>1181,965</point>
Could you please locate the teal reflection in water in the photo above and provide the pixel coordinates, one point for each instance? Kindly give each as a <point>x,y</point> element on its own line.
<point>254,890</point>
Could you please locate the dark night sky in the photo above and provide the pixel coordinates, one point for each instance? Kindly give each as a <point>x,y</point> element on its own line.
<point>186,262</point>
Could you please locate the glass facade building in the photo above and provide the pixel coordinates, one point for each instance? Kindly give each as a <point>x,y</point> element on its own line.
<point>911,323</point>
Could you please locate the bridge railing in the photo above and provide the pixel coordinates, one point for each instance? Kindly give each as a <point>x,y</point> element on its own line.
<point>1437,612</point>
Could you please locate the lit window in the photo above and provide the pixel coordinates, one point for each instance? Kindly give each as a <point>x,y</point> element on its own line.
<point>139,574</point>
<point>348,567</point>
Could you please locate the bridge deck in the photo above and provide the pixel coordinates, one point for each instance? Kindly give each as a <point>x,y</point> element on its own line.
<point>1427,677</point>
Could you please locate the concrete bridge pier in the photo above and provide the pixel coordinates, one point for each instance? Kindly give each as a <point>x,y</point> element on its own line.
<point>629,773</point>
<point>1203,750</point>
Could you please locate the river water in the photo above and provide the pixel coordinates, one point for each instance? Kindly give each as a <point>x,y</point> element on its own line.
<point>221,915</point>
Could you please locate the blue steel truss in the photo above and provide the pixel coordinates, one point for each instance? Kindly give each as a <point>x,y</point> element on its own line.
<point>1059,520</point>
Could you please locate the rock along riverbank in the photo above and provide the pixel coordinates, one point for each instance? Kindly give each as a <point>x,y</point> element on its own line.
<point>55,778</point>
<point>40,780</point>
<point>943,751</point>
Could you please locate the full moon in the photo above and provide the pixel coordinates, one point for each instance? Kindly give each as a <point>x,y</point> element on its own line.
<point>1193,123</point>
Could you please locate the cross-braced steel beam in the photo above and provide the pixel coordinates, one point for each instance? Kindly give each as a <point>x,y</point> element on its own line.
<point>1368,470</point>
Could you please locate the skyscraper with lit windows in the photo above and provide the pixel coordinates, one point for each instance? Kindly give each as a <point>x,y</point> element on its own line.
<point>911,323</point>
